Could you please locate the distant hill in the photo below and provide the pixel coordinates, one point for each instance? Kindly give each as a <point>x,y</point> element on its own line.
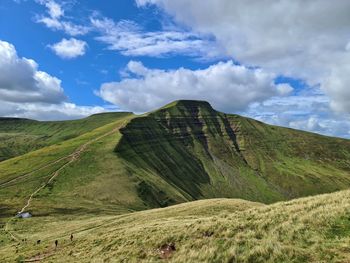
<point>19,136</point>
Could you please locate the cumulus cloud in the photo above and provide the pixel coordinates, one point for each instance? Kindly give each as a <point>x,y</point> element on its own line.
<point>69,48</point>
<point>129,39</point>
<point>310,40</point>
<point>307,110</point>
<point>337,85</point>
<point>227,86</point>
<point>28,92</point>
<point>45,111</point>
<point>55,19</point>
<point>20,79</point>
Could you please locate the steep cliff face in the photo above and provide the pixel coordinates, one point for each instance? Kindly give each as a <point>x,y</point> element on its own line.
<point>187,151</point>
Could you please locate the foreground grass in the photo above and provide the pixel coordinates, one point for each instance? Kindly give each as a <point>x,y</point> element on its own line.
<point>314,229</point>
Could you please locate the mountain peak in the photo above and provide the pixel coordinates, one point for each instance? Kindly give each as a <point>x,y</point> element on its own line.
<point>189,104</point>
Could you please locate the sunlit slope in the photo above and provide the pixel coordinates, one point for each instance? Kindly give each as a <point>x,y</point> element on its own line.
<point>90,178</point>
<point>313,229</point>
<point>19,136</point>
<point>182,152</point>
<point>187,151</point>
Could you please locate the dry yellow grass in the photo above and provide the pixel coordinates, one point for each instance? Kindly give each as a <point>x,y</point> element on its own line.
<point>314,229</point>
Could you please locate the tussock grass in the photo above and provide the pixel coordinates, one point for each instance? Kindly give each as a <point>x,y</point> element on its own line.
<point>314,229</point>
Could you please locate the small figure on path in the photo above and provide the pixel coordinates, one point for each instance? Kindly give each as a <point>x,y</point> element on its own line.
<point>56,243</point>
<point>71,237</point>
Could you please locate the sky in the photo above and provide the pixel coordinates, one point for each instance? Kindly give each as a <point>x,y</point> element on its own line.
<point>282,62</point>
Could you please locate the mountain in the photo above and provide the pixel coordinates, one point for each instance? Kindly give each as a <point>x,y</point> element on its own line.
<point>91,176</point>
<point>185,151</point>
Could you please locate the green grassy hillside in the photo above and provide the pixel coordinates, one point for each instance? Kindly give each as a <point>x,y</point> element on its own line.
<point>188,151</point>
<point>86,177</point>
<point>78,176</point>
<point>314,229</point>
<point>182,152</point>
<point>19,136</point>
<point>78,179</point>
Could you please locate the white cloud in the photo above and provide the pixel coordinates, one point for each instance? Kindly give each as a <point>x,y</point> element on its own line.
<point>227,86</point>
<point>28,92</point>
<point>54,9</point>
<point>69,48</point>
<point>55,19</point>
<point>130,40</point>
<point>309,110</point>
<point>284,89</point>
<point>20,79</point>
<point>347,47</point>
<point>337,85</point>
<point>45,111</point>
<point>302,39</point>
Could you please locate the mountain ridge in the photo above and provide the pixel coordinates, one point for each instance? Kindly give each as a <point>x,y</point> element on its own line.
<point>182,152</point>
<point>188,129</point>
<point>113,165</point>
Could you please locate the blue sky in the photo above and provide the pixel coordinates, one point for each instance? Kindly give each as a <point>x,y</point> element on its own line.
<point>82,75</point>
<point>138,55</point>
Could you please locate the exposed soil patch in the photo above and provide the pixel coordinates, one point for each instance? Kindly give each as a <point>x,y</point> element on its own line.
<point>167,250</point>
<point>208,233</point>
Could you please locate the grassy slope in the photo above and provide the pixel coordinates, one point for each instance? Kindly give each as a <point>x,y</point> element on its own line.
<point>96,182</point>
<point>313,229</point>
<point>230,156</point>
<point>298,163</point>
<point>19,136</point>
<point>181,153</point>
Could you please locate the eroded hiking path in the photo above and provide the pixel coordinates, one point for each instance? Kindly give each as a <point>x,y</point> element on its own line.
<point>74,156</point>
<point>20,177</point>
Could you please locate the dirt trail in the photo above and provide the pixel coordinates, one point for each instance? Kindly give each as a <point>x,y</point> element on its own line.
<point>71,158</point>
<point>34,171</point>
<point>39,257</point>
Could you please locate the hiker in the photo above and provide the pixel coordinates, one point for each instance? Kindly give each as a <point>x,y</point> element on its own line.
<point>56,243</point>
<point>38,242</point>
<point>71,237</point>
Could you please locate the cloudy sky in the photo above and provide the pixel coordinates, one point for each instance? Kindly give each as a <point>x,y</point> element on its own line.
<point>280,61</point>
